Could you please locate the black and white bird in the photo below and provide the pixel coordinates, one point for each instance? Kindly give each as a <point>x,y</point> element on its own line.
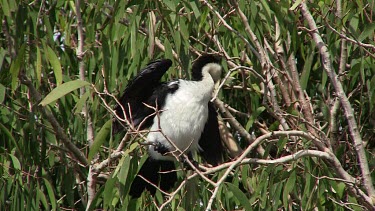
<point>186,117</point>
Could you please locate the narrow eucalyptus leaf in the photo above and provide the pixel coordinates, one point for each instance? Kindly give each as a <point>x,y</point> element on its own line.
<point>62,90</point>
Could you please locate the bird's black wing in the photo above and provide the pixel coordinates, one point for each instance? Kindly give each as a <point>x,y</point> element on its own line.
<point>159,173</point>
<point>210,141</point>
<point>139,91</point>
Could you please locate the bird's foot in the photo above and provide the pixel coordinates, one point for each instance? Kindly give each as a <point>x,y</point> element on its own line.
<point>161,148</point>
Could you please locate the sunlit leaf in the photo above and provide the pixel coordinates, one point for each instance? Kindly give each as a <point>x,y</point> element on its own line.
<point>16,163</point>
<point>295,5</point>
<point>62,90</point>
<point>39,41</point>
<point>55,63</point>
<point>170,4</point>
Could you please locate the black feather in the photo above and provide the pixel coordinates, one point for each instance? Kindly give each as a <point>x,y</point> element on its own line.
<point>144,88</point>
<point>210,140</point>
<point>196,71</point>
<point>158,172</point>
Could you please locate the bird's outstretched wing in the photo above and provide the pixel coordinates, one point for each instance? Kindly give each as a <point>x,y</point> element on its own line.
<point>138,92</point>
<point>210,141</point>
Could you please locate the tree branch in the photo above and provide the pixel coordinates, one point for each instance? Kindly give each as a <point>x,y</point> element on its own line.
<point>92,176</point>
<point>348,110</point>
<point>258,141</point>
<point>235,124</point>
<point>60,134</point>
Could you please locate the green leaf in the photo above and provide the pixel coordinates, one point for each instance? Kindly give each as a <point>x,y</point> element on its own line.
<point>266,9</point>
<point>195,9</point>
<point>371,93</point>
<point>81,102</point>
<point>171,4</point>
<point>307,192</point>
<point>108,193</point>
<point>16,66</point>
<point>133,39</point>
<point>132,147</point>
<point>55,63</point>
<point>16,163</point>
<point>289,186</point>
<point>38,64</point>
<point>42,198</point>
<point>106,59</point>
<point>184,31</point>
<point>240,196</point>
<point>295,5</point>
<point>203,18</point>
<point>97,198</point>
<point>51,194</point>
<point>62,90</point>
<point>305,76</point>
<point>245,175</point>
<point>2,93</point>
<point>168,49</point>
<point>340,189</point>
<point>254,116</point>
<point>124,170</point>
<point>10,136</point>
<point>281,144</point>
<point>353,24</point>
<point>118,168</point>
<point>100,138</point>
<point>3,53</point>
<point>367,32</point>
<point>5,8</point>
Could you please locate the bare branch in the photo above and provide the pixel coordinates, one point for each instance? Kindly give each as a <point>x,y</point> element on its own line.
<point>349,114</point>
<point>231,28</point>
<point>257,142</point>
<point>235,124</point>
<point>91,178</point>
<point>334,128</point>
<point>229,141</point>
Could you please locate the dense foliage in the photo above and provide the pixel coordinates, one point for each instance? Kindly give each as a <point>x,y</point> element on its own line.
<point>296,102</point>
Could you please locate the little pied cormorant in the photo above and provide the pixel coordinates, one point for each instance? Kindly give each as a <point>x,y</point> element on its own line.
<point>187,118</point>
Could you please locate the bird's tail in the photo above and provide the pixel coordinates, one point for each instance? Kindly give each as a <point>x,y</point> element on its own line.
<point>157,172</point>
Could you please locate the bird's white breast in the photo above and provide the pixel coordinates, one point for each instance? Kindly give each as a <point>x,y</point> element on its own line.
<point>183,117</point>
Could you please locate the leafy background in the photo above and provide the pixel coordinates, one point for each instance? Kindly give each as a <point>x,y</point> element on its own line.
<point>63,63</point>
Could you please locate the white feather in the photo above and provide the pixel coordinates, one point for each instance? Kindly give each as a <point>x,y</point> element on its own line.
<point>184,115</point>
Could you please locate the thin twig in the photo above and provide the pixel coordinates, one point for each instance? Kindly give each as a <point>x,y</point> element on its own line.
<point>257,142</point>
<point>348,110</point>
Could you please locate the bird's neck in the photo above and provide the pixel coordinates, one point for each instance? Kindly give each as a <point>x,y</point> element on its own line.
<point>205,87</point>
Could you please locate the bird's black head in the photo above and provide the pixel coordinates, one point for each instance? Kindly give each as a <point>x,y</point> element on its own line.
<point>200,63</point>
